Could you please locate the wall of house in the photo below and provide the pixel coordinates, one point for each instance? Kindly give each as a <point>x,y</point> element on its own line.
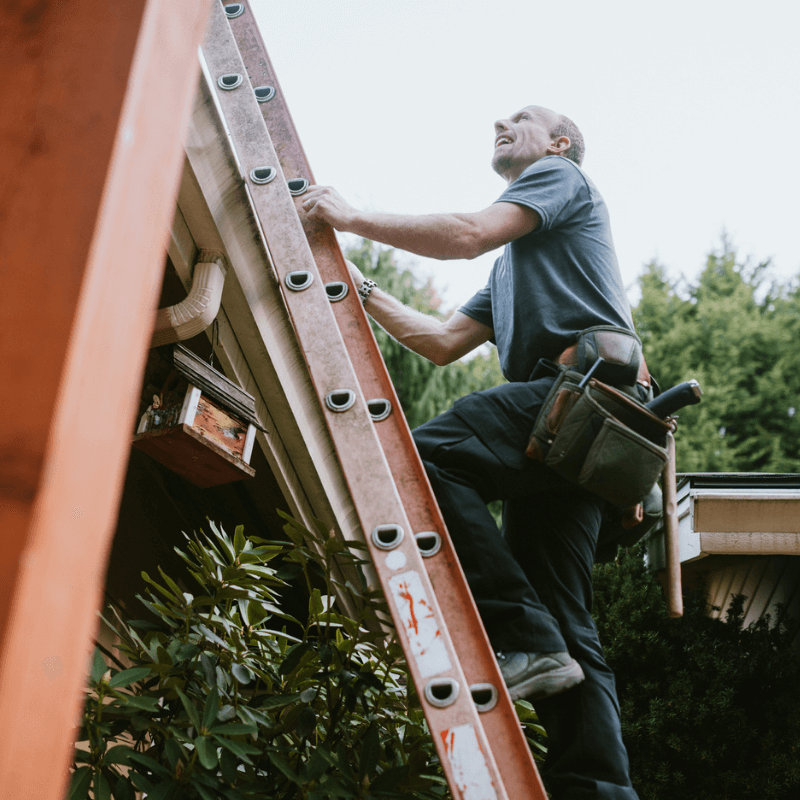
<point>766,581</point>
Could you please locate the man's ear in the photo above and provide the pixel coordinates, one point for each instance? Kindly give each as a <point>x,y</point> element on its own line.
<point>560,146</point>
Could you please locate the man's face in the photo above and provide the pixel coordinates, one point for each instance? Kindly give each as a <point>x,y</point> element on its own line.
<point>521,140</point>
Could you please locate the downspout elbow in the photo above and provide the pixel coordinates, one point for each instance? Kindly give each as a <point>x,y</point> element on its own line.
<point>201,306</point>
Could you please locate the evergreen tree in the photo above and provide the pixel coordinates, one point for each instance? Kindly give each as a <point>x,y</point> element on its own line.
<point>736,334</point>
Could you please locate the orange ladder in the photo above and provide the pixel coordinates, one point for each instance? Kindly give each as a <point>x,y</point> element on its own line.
<point>478,736</point>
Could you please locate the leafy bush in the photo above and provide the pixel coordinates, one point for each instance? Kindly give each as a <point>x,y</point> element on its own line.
<point>219,703</point>
<point>710,710</point>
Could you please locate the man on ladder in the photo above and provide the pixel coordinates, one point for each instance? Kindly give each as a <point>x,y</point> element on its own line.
<point>557,277</point>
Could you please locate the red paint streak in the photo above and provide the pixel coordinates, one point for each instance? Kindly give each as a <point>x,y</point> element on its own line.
<point>406,595</point>
<point>447,739</point>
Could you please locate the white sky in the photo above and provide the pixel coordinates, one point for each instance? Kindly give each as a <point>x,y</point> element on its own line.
<point>689,110</point>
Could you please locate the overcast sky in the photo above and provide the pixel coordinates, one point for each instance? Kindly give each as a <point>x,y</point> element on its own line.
<point>689,110</point>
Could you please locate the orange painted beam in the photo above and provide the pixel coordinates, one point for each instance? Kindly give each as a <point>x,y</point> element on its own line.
<point>95,98</point>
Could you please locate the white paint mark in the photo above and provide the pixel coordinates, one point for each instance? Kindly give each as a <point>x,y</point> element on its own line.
<point>52,667</point>
<point>470,770</point>
<point>396,559</point>
<point>419,623</point>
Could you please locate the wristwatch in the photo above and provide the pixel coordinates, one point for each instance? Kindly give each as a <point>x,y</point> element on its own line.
<point>364,290</point>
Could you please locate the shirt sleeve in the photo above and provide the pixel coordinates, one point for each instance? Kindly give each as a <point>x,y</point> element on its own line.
<point>479,307</point>
<point>554,187</point>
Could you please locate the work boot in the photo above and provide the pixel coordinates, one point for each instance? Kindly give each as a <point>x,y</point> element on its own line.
<point>538,675</point>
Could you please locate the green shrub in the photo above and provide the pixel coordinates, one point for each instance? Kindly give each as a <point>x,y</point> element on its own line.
<point>220,703</point>
<point>710,710</point>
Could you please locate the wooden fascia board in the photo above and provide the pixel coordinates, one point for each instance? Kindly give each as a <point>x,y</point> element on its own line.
<point>740,523</point>
<point>302,490</point>
<point>732,522</point>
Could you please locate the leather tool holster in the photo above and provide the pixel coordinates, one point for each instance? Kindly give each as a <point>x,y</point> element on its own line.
<point>596,435</point>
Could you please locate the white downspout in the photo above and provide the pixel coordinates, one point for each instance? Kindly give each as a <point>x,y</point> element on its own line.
<point>194,314</point>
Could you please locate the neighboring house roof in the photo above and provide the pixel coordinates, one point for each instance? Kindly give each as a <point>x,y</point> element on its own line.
<point>734,514</point>
<point>739,534</point>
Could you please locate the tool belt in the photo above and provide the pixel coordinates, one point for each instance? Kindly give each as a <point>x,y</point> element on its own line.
<point>596,435</point>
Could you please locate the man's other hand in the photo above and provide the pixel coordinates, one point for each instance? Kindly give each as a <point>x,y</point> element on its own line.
<point>326,204</point>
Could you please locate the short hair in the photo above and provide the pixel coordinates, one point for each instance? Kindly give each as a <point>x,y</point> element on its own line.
<point>564,126</point>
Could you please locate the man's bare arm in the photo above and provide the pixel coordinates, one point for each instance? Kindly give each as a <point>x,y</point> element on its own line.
<point>438,341</point>
<point>442,236</point>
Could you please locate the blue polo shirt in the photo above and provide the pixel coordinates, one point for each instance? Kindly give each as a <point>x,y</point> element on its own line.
<point>560,279</point>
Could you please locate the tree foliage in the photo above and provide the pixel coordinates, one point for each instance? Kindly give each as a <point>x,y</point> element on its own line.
<point>424,389</point>
<point>710,710</point>
<point>737,334</point>
<point>217,701</point>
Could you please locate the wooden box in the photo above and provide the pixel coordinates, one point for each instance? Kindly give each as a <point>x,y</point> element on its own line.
<point>208,437</point>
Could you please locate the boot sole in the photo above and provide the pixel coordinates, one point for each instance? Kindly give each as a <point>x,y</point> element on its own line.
<point>547,684</point>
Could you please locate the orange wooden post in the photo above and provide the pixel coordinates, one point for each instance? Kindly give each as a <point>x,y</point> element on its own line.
<point>95,97</point>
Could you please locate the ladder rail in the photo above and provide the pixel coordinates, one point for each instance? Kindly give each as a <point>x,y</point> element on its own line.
<point>471,643</point>
<point>464,750</point>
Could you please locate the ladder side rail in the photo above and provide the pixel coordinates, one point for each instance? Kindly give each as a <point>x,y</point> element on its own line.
<point>472,645</point>
<point>305,507</point>
<point>464,751</point>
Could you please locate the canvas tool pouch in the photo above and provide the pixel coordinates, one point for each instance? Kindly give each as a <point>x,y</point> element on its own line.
<point>600,438</point>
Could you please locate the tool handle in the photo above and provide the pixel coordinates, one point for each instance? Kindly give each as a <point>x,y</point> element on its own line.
<point>684,394</point>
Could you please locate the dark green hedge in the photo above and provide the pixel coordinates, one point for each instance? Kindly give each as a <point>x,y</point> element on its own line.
<point>710,710</point>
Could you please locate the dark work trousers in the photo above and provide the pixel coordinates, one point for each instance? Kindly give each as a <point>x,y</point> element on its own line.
<point>532,584</point>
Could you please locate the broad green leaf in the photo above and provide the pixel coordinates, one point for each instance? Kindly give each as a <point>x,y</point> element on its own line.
<point>238,749</point>
<point>227,765</point>
<point>206,751</point>
<point>205,793</point>
<point>317,763</point>
<point>139,701</point>
<point>123,790</point>
<point>315,605</point>
<point>241,673</point>
<point>279,701</point>
<point>212,637</point>
<point>370,752</point>
<point>211,708</point>
<point>293,657</point>
<point>208,665</point>
<point>140,783</point>
<point>191,709</point>
<point>128,676</point>
<point>239,540</point>
<point>307,695</point>
<point>117,754</point>
<point>306,722</point>
<point>234,729</point>
<point>150,763</point>
<point>102,791</point>
<point>174,753</point>
<point>79,783</point>
<point>289,571</point>
<point>99,666</point>
<point>172,585</point>
<point>283,765</point>
<point>168,595</point>
<point>390,779</point>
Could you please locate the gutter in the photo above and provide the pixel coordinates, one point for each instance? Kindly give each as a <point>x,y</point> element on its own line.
<point>194,314</point>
